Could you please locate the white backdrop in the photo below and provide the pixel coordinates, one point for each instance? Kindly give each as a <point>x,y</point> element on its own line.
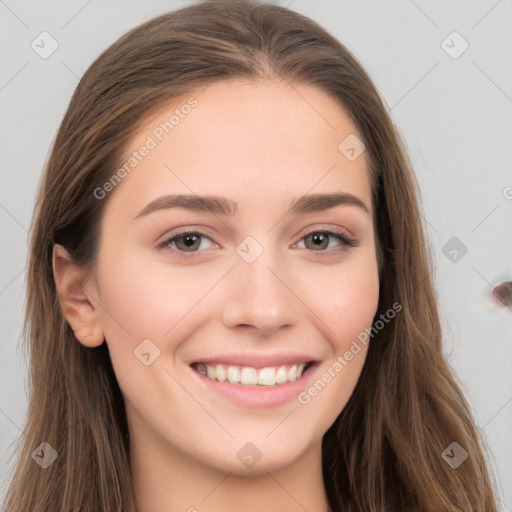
<point>444,69</point>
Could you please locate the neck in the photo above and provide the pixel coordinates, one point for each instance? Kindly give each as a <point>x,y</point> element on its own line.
<point>165,479</point>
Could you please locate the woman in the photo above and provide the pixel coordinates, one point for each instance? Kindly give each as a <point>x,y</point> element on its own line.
<point>229,298</point>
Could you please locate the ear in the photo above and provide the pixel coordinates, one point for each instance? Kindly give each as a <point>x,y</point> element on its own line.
<point>78,305</point>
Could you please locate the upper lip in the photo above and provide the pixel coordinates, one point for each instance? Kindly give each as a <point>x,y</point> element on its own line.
<point>256,360</point>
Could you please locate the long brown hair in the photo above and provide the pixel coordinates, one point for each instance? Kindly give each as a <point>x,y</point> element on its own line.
<point>384,451</point>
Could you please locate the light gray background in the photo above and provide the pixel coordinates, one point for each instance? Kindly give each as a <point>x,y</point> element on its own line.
<point>455,115</point>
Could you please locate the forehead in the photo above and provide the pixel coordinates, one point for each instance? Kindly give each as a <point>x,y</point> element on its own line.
<point>253,141</point>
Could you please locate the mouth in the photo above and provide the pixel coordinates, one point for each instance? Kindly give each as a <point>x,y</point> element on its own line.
<point>250,376</point>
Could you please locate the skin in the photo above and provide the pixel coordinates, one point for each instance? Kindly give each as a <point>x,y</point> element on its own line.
<point>261,144</point>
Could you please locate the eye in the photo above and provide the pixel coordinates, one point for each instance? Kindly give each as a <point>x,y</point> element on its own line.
<point>187,241</point>
<point>191,241</point>
<point>319,240</point>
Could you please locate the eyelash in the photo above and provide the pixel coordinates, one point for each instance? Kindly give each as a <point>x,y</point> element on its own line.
<point>346,241</point>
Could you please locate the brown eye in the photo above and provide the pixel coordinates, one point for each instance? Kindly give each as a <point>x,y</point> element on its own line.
<point>319,240</point>
<point>189,242</point>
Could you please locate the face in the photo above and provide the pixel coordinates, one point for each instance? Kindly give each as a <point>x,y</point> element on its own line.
<point>261,286</point>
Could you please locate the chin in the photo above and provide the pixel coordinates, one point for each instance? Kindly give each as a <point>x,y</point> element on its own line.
<point>258,457</point>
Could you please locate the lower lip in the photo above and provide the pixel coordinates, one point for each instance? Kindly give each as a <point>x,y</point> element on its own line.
<point>259,397</point>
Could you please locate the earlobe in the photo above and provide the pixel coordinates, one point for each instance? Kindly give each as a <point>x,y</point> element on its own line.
<point>90,335</point>
<point>77,304</point>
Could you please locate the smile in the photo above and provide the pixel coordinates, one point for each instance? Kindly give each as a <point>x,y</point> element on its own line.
<point>250,376</point>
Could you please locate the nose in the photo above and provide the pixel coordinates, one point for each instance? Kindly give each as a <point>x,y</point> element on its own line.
<point>260,296</point>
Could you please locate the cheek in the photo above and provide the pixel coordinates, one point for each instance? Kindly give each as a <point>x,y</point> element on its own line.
<point>345,298</point>
<point>145,299</point>
<point>140,302</point>
<point>355,309</point>
<point>346,311</point>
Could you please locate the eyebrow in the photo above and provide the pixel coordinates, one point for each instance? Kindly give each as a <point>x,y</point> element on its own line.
<point>223,206</point>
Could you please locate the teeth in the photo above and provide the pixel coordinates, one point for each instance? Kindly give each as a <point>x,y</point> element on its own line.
<point>281,375</point>
<point>267,377</point>
<point>233,374</point>
<point>249,376</point>
<point>220,373</point>
<point>210,371</point>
